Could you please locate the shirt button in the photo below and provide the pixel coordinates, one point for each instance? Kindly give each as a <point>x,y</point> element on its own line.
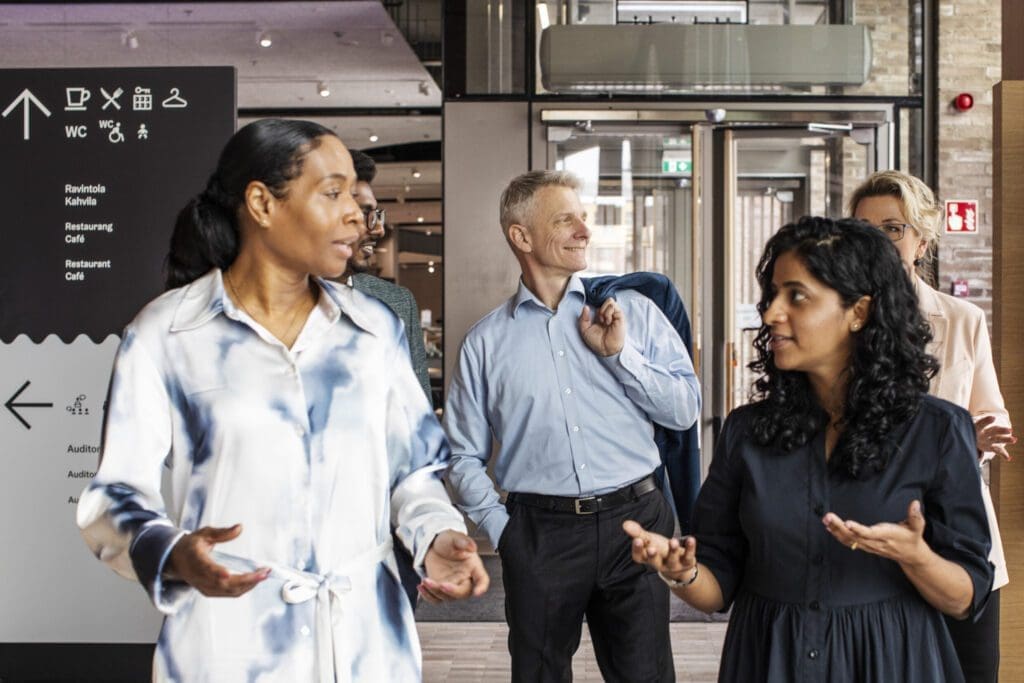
<point>568,390</point>
<point>575,428</point>
<point>583,466</point>
<point>561,353</point>
<point>819,509</point>
<point>813,654</point>
<point>305,631</point>
<point>815,605</point>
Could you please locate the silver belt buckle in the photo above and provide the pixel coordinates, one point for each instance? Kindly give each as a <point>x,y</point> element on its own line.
<point>579,509</point>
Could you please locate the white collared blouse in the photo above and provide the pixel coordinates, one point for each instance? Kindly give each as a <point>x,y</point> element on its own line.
<point>316,450</point>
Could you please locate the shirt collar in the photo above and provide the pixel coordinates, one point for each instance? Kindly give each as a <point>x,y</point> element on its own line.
<point>201,301</point>
<point>523,294</point>
<point>205,297</point>
<point>343,298</point>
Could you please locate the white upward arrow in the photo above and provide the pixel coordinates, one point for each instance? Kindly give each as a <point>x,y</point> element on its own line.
<point>25,97</point>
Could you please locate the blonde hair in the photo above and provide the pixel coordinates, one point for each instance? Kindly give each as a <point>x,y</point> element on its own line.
<point>517,199</point>
<point>917,202</point>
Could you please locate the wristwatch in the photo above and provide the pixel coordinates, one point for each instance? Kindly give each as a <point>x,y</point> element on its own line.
<point>674,583</point>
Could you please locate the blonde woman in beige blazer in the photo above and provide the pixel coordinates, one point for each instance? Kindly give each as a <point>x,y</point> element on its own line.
<point>906,210</point>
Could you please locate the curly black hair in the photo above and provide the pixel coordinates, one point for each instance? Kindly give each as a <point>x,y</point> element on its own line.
<point>889,370</point>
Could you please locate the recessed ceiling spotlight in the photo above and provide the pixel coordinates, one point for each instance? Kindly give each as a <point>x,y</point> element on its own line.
<point>130,40</point>
<point>419,219</point>
<point>323,89</point>
<point>264,39</point>
<point>416,173</point>
<point>374,137</point>
<point>428,233</point>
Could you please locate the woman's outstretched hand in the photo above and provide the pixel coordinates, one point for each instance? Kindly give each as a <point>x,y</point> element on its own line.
<point>902,542</point>
<point>454,569</point>
<point>671,557</point>
<point>993,438</point>
<point>190,562</point>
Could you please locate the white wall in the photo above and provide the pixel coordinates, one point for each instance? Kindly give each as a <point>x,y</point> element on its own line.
<point>486,144</point>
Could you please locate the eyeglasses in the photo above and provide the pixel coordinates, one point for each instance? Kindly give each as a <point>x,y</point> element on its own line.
<point>894,231</point>
<point>374,217</point>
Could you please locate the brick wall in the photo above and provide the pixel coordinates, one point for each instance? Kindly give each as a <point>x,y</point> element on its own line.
<point>969,61</point>
<point>888,21</point>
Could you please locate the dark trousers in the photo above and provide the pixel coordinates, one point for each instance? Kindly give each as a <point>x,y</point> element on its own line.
<point>559,567</point>
<point>977,643</point>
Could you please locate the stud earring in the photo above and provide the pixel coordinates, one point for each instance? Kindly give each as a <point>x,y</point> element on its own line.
<point>854,327</point>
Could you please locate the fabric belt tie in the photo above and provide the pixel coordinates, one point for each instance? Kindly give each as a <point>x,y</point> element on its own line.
<point>328,590</point>
<point>587,505</point>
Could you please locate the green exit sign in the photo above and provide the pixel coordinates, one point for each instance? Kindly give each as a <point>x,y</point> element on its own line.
<point>676,166</point>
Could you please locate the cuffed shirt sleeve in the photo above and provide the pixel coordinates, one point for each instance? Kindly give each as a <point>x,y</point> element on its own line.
<point>121,513</point>
<point>418,453</point>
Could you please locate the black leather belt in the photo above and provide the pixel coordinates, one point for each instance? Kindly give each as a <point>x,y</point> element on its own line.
<point>587,505</point>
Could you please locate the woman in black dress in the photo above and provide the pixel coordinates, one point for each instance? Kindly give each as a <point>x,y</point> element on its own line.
<point>834,520</point>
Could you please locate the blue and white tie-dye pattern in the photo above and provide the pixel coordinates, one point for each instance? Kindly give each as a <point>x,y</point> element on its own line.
<point>316,451</point>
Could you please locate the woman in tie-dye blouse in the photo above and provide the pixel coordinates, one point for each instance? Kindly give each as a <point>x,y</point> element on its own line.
<point>294,430</point>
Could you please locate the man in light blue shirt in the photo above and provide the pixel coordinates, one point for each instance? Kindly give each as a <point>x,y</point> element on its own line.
<point>569,395</point>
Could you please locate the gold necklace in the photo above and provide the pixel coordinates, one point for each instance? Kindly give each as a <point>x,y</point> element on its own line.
<point>291,324</point>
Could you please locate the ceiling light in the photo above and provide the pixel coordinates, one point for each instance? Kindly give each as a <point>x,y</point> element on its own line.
<point>430,269</point>
<point>374,137</point>
<point>416,173</point>
<point>323,89</point>
<point>430,263</point>
<point>130,40</point>
<point>419,219</point>
<point>429,233</point>
<point>264,39</point>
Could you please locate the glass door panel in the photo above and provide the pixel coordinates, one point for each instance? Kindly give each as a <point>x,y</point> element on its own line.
<point>637,187</point>
<point>779,175</point>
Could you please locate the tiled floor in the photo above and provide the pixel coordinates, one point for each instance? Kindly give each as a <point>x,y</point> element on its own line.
<point>477,653</point>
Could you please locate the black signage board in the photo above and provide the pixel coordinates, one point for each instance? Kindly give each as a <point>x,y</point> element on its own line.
<point>95,165</point>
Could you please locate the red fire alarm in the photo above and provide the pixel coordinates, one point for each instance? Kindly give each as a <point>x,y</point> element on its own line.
<point>963,102</point>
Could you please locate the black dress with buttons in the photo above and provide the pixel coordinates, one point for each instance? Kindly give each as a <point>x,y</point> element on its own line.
<point>805,607</point>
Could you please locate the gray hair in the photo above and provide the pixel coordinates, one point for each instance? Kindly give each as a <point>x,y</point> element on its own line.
<point>517,199</point>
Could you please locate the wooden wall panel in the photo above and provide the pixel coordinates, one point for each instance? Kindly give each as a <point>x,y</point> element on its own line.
<point>1008,330</point>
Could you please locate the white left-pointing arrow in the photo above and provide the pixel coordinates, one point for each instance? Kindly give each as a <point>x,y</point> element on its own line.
<point>25,97</point>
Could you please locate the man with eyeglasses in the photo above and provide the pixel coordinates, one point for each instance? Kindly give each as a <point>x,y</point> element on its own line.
<point>397,298</point>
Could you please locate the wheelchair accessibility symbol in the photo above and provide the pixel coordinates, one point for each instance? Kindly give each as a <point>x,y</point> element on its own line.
<point>116,135</point>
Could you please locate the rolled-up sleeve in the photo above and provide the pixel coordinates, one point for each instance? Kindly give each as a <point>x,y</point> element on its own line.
<point>721,545</point>
<point>654,366</point>
<point>956,526</point>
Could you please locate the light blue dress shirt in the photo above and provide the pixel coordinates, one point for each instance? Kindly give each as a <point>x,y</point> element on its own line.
<point>567,421</point>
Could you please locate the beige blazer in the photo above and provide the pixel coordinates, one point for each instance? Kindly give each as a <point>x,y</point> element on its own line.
<point>967,378</point>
